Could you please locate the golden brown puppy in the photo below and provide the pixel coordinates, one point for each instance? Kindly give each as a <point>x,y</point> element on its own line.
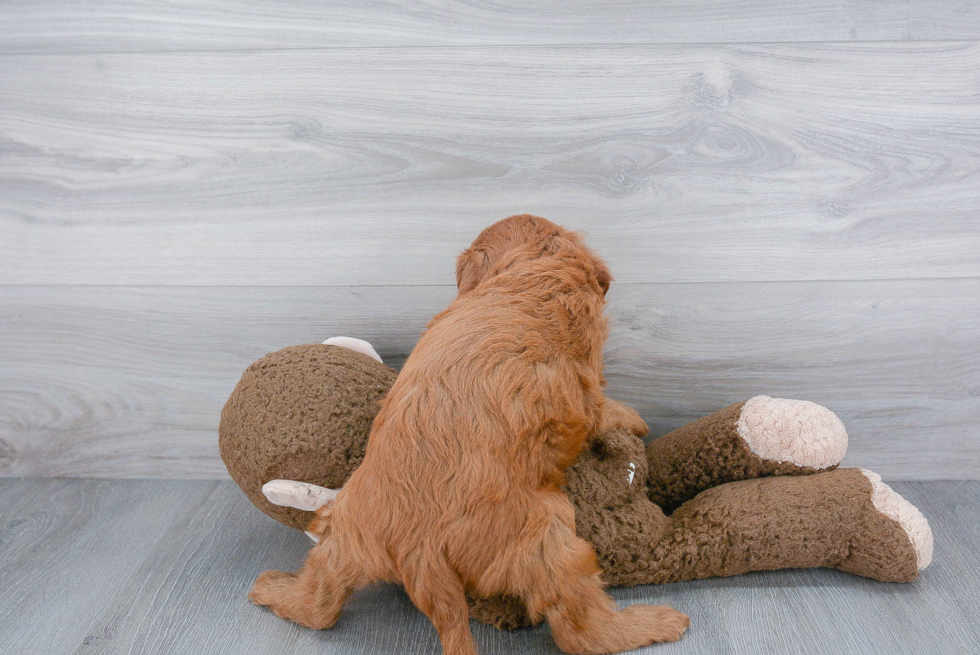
<point>460,488</point>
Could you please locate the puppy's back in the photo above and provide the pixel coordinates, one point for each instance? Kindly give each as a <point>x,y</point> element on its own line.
<point>493,403</point>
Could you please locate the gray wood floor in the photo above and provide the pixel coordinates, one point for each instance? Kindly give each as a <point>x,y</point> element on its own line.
<point>99,566</point>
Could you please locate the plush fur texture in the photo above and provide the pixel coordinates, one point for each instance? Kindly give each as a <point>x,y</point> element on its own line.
<point>460,487</point>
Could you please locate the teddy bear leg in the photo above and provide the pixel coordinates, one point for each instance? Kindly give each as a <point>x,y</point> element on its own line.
<point>762,436</point>
<point>314,595</point>
<point>836,519</point>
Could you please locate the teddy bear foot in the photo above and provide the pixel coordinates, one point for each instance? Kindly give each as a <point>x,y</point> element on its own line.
<point>907,515</point>
<point>797,432</point>
<point>893,541</point>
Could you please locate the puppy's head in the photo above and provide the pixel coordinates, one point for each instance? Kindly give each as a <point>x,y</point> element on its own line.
<point>522,238</point>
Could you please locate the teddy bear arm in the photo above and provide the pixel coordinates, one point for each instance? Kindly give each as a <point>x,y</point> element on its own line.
<point>759,437</point>
<point>301,413</point>
<point>830,519</point>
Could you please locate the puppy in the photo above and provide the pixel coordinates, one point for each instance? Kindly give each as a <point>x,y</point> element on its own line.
<point>460,488</point>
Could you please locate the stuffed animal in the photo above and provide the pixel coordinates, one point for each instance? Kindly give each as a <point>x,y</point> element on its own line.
<point>752,487</point>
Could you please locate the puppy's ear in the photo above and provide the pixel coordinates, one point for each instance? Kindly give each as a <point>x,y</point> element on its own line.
<point>471,267</point>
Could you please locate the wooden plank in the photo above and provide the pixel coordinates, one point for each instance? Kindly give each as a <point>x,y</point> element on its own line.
<point>377,166</point>
<point>164,566</point>
<point>129,381</point>
<point>110,25</point>
<point>895,360</point>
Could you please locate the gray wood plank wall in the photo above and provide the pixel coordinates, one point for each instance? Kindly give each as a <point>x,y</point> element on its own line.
<point>788,196</point>
<point>143,25</point>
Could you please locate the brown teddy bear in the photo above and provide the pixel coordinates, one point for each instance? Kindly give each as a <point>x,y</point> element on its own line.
<point>752,487</point>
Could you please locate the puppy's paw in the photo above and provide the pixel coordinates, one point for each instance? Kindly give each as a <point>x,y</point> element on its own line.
<point>271,588</point>
<point>636,424</point>
<point>655,623</point>
<point>617,415</point>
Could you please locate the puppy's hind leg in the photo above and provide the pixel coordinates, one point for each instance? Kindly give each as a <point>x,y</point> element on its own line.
<point>314,595</point>
<point>561,581</point>
<point>436,589</point>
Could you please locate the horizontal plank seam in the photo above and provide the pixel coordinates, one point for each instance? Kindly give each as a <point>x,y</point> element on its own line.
<point>484,45</point>
<point>447,286</point>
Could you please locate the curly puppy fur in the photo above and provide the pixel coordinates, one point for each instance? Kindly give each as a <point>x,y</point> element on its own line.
<point>460,488</point>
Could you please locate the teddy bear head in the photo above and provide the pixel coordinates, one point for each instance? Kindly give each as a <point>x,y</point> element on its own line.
<point>301,413</point>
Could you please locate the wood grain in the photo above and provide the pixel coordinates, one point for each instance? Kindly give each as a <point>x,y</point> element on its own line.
<point>111,25</point>
<point>98,566</point>
<point>356,166</point>
<point>897,361</point>
<point>129,381</point>
<point>124,381</point>
<point>67,546</point>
